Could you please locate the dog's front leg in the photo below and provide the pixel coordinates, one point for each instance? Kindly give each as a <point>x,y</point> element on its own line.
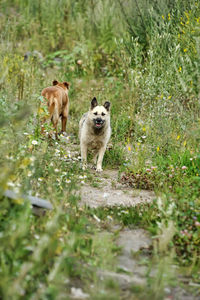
<point>100,159</point>
<point>84,155</point>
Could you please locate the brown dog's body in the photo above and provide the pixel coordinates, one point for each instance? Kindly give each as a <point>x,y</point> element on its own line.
<point>58,103</point>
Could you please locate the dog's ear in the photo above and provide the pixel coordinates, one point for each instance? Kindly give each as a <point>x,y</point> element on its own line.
<point>67,84</point>
<point>107,105</point>
<point>94,103</point>
<point>55,82</point>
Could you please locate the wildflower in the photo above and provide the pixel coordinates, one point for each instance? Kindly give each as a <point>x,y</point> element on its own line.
<point>82,181</point>
<point>184,143</point>
<point>32,158</point>
<point>10,183</point>
<point>143,137</point>
<point>169,17</point>
<point>25,133</point>
<point>40,179</point>
<point>163,17</point>
<point>179,69</point>
<point>96,218</point>
<point>129,148</point>
<point>79,62</point>
<point>169,97</point>
<point>178,137</point>
<point>29,174</point>
<point>185,50</point>
<point>158,149</point>
<point>153,167</point>
<point>197,223</point>
<point>67,180</point>
<point>148,170</point>
<point>143,129</point>
<point>34,142</point>
<point>184,168</point>
<point>56,170</point>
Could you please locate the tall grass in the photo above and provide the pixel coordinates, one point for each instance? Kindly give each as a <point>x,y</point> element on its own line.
<point>143,57</point>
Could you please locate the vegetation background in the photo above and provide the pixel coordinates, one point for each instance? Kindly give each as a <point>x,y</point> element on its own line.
<point>144,56</point>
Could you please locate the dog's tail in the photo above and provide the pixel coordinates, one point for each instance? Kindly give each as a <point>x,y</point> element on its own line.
<point>53,109</point>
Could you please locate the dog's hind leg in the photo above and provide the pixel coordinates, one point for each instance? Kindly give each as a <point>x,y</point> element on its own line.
<point>94,161</point>
<point>64,122</point>
<point>100,159</point>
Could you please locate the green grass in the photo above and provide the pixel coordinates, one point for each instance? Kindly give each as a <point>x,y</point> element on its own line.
<point>145,61</point>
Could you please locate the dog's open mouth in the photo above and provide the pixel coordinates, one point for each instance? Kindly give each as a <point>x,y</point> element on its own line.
<point>98,123</point>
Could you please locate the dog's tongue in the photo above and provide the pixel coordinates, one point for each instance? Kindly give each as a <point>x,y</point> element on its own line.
<point>98,125</point>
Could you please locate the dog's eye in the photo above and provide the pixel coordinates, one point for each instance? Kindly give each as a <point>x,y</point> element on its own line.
<point>95,113</point>
<point>103,114</point>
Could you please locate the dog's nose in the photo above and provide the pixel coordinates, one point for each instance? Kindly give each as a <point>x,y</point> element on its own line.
<point>98,120</point>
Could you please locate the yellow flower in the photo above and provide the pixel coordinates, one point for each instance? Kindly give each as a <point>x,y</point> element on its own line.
<point>178,137</point>
<point>143,128</point>
<point>179,69</point>
<point>169,97</point>
<point>185,50</point>
<point>169,17</point>
<point>184,143</point>
<point>138,144</point>
<point>18,201</point>
<point>158,149</point>
<point>129,148</point>
<point>163,17</point>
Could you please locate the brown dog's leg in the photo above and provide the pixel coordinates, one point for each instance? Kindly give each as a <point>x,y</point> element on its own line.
<point>64,122</point>
<point>55,127</point>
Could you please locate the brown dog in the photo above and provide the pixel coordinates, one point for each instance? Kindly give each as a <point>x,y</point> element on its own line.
<point>58,103</point>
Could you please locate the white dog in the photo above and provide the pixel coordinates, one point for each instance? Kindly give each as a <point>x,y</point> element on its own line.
<point>95,132</point>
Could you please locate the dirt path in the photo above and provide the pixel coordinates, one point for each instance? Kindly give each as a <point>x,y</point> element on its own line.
<point>134,268</point>
<point>110,192</point>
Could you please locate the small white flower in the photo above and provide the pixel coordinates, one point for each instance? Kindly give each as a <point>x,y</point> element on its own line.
<point>67,180</point>
<point>40,179</point>
<point>143,137</point>
<point>32,158</point>
<point>57,151</point>
<point>82,181</point>
<point>10,183</point>
<point>34,142</point>
<point>25,133</point>
<point>56,170</point>
<point>29,174</point>
<point>51,164</point>
<point>96,218</point>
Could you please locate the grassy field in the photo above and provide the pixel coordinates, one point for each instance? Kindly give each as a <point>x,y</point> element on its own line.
<point>144,58</point>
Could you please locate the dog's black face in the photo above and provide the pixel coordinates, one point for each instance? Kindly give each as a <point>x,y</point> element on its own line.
<point>98,122</point>
<point>99,113</point>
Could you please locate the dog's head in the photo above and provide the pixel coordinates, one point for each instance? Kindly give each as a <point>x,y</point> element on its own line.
<point>65,85</point>
<point>99,114</point>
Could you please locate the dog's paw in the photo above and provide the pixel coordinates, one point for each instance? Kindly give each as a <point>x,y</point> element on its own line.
<point>84,167</point>
<point>99,169</point>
